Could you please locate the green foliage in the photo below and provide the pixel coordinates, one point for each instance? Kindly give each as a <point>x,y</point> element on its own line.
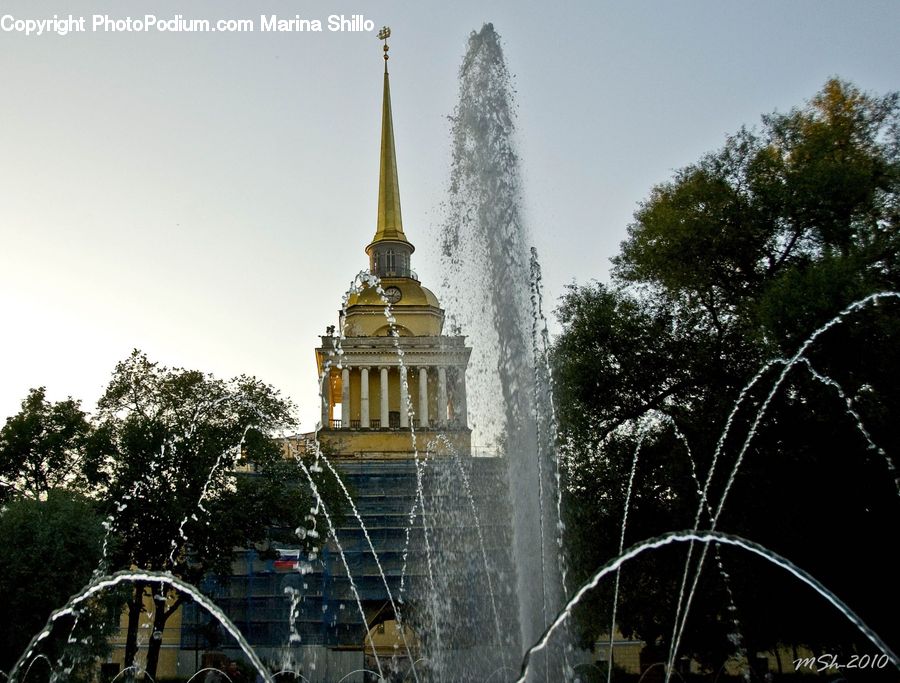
<point>50,547</point>
<point>185,468</point>
<point>814,182</point>
<point>191,471</point>
<point>622,355</point>
<point>174,441</point>
<point>735,261</point>
<point>43,447</point>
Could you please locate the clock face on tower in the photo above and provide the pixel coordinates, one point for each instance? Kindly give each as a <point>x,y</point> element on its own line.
<point>393,294</point>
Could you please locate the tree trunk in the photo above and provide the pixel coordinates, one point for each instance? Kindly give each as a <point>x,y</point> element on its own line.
<point>135,605</point>
<point>160,616</point>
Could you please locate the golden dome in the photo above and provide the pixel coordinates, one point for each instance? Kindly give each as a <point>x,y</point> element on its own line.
<point>411,294</point>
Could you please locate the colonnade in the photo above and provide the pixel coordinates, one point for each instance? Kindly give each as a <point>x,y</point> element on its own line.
<point>449,397</point>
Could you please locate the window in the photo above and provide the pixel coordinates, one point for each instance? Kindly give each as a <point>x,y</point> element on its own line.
<point>391,265</point>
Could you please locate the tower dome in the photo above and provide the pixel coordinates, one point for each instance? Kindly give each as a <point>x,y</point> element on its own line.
<point>392,379</point>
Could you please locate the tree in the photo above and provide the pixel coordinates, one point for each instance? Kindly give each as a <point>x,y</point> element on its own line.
<point>184,468</point>
<point>51,534</point>
<point>190,469</point>
<point>43,447</point>
<point>50,547</point>
<point>737,260</point>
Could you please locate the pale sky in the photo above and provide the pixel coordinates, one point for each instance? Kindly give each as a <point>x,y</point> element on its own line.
<point>207,197</point>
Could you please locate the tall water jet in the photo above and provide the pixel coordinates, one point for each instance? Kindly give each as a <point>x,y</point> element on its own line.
<point>486,292</point>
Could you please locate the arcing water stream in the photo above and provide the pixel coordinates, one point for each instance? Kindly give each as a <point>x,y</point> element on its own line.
<point>706,538</point>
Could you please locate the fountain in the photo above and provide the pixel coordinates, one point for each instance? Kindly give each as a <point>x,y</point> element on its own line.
<point>487,267</point>
<point>467,568</point>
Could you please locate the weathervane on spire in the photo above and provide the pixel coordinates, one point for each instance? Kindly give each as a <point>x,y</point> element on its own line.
<point>384,34</point>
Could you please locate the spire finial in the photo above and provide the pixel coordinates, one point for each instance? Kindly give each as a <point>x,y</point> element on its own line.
<point>390,223</point>
<point>384,34</point>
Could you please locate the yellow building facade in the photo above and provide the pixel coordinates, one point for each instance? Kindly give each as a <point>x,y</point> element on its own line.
<point>170,638</point>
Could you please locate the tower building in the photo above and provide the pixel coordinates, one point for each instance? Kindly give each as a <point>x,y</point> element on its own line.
<point>393,389</point>
<point>391,379</point>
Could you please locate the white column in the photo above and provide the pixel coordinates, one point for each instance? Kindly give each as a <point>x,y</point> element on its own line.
<point>345,397</point>
<point>404,399</point>
<point>423,398</point>
<point>461,390</point>
<point>326,397</point>
<point>442,396</point>
<point>385,417</point>
<point>364,398</point>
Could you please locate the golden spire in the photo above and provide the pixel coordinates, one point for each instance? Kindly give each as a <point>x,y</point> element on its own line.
<point>390,223</point>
